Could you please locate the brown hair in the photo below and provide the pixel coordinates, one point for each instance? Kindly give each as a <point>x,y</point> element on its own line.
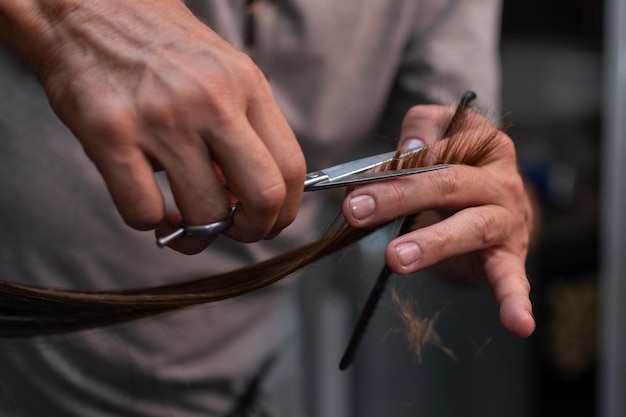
<point>29,311</point>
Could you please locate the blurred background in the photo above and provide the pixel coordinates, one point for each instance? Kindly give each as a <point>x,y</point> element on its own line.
<point>553,70</point>
<point>552,89</point>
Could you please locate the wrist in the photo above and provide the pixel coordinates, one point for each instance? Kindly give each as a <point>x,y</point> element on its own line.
<point>26,26</point>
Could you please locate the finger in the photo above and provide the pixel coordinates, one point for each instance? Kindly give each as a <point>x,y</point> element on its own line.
<point>506,274</point>
<point>424,123</point>
<point>480,228</point>
<point>197,190</point>
<point>254,179</point>
<point>273,129</point>
<point>131,183</point>
<point>451,188</point>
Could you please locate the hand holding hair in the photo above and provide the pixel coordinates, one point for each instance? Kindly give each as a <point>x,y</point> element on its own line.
<point>476,219</point>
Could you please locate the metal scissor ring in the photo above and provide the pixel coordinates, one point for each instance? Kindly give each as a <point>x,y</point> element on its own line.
<point>198,230</point>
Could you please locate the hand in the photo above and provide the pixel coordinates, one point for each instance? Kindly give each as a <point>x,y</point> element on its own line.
<point>482,225</point>
<point>145,85</point>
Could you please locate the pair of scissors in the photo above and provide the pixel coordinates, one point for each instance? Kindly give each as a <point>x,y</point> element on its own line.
<point>354,172</point>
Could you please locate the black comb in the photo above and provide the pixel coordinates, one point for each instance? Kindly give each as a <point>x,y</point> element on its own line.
<point>379,286</point>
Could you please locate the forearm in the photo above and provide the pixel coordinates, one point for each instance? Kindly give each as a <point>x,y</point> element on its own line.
<point>40,30</point>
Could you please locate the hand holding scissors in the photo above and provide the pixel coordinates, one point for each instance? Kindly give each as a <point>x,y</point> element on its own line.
<point>360,171</point>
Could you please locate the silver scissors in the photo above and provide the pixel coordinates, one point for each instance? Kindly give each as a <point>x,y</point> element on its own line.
<point>354,172</point>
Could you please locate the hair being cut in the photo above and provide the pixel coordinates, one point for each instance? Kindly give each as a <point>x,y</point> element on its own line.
<point>27,311</point>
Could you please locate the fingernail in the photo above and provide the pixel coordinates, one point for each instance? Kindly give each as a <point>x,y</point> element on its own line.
<point>408,253</point>
<point>411,143</point>
<point>362,206</point>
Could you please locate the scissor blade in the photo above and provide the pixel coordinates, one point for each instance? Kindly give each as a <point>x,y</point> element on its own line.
<point>356,166</point>
<point>365,177</point>
<point>364,164</point>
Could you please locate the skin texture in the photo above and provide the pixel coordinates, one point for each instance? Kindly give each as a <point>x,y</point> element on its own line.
<point>178,98</point>
<point>478,218</point>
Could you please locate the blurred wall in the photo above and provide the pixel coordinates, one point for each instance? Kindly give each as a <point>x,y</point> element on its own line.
<point>552,63</point>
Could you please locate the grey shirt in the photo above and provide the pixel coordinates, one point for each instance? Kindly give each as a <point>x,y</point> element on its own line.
<point>339,70</point>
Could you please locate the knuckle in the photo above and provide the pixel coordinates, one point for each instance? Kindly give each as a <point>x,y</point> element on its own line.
<point>158,112</point>
<point>109,134</point>
<point>447,185</point>
<point>227,90</point>
<point>294,170</point>
<point>249,69</point>
<point>112,121</point>
<point>269,199</point>
<point>243,62</point>
<point>396,193</point>
<point>442,240</point>
<point>515,184</point>
<point>243,69</point>
<point>436,242</point>
<point>487,229</point>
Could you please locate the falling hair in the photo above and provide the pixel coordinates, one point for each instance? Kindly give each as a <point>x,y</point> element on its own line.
<point>27,311</point>
<point>419,331</point>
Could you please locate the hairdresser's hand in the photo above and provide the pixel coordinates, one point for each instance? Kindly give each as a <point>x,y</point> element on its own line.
<point>145,85</point>
<point>482,223</point>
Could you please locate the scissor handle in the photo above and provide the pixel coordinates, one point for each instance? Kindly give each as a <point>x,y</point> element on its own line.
<point>197,230</point>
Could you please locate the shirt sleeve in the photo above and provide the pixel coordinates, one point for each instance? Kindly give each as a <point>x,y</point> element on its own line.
<point>454,47</point>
